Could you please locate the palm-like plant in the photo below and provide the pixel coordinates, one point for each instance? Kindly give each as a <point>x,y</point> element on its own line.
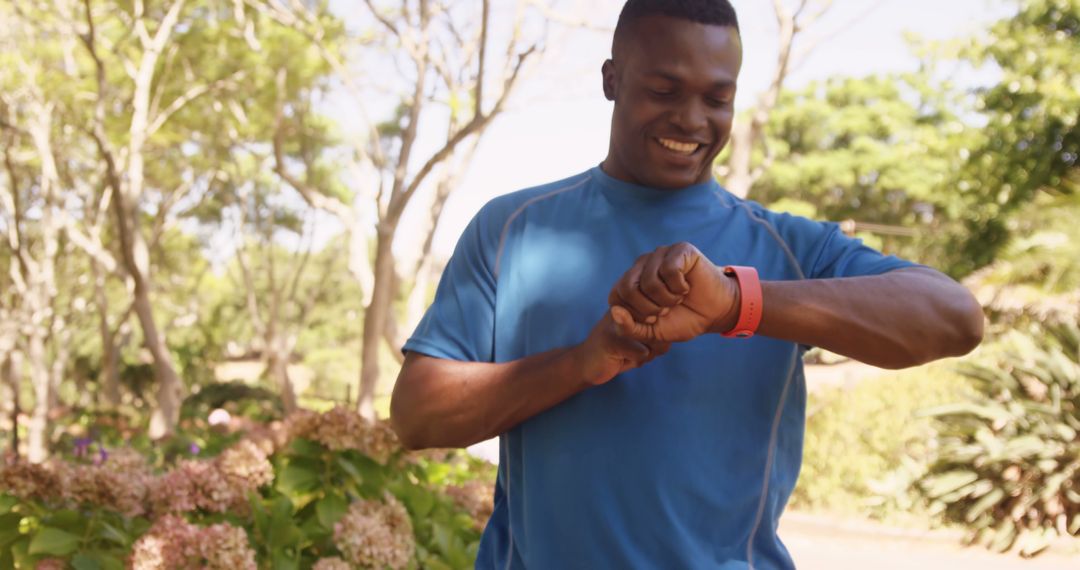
<point>1009,460</point>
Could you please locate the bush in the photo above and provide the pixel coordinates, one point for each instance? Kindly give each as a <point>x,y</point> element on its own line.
<point>237,398</point>
<point>1009,465</point>
<point>863,446</point>
<point>318,490</point>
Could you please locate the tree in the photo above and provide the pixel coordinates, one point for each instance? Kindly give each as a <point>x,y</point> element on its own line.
<point>446,69</point>
<point>160,96</point>
<point>279,302</point>
<point>1030,142</point>
<point>748,156</point>
<point>946,168</point>
<point>879,151</point>
<point>30,206</point>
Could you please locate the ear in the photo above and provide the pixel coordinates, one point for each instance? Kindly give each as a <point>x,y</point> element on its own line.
<point>610,80</point>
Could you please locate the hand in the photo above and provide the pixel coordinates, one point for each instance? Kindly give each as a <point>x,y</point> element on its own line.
<point>609,351</point>
<point>674,294</point>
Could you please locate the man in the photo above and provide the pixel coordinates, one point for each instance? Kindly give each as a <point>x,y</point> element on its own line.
<point>589,324</point>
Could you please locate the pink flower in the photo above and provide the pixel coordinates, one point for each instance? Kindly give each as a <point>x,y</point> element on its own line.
<point>375,534</point>
<point>214,486</point>
<point>475,498</point>
<point>341,428</point>
<point>174,544</point>
<point>333,563</point>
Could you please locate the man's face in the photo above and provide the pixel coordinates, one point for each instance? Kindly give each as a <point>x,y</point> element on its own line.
<point>673,83</point>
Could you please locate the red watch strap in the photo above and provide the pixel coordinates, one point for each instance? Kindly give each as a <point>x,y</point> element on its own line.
<point>751,305</point>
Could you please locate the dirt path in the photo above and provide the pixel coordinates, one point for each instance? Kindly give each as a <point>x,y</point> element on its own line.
<point>824,543</point>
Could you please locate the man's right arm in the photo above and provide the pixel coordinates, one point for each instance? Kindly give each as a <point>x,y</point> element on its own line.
<point>447,403</point>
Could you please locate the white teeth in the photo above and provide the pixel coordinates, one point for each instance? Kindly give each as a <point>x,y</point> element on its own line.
<point>680,147</point>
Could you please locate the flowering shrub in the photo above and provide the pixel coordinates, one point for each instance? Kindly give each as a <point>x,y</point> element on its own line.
<point>327,491</point>
<point>174,543</point>
<point>376,534</point>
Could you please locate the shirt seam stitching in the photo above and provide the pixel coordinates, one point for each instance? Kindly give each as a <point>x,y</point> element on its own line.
<point>519,210</point>
<point>769,460</point>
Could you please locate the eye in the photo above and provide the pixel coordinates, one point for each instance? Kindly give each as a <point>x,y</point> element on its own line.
<point>661,93</point>
<point>714,101</point>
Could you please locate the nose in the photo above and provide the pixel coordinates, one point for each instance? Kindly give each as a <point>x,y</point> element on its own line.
<point>690,117</point>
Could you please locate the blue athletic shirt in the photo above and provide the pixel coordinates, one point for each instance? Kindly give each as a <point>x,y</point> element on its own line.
<point>686,462</point>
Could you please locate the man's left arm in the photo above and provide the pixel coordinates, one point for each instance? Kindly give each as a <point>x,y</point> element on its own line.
<point>901,318</point>
<point>896,319</point>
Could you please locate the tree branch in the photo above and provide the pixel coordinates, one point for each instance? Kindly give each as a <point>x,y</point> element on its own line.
<point>191,94</point>
<point>475,126</point>
<point>310,195</point>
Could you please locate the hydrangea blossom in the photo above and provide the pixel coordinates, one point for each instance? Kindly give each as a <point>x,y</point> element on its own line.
<point>173,544</point>
<point>341,428</point>
<point>475,498</point>
<point>375,534</point>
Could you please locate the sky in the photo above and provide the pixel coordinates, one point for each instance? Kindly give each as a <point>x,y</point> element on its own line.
<point>556,124</point>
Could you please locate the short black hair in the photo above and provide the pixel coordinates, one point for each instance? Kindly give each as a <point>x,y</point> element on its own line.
<point>711,12</point>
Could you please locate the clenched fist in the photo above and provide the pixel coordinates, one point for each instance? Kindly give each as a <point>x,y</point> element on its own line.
<point>674,294</point>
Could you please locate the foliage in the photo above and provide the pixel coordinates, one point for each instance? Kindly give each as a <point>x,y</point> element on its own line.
<point>305,490</point>
<point>1009,464</point>
<point>915,152</point>
<point>237,398</point>
<point>860,442</point>
<point>877,149</point>
<point>1030,142</point>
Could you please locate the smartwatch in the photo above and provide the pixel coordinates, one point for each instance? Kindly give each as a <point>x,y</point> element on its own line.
<point>750,305</point>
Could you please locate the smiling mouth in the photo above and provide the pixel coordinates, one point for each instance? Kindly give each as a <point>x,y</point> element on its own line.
<point>683,148</point>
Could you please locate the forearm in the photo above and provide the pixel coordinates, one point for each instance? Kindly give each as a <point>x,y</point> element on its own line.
<point>445,403</point>
<point>895,320</point>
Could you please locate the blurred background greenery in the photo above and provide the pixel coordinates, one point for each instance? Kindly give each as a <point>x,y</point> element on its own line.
<point>237,204</point>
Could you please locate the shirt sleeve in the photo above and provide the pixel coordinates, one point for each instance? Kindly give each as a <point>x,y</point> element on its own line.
<point>823,251</point>
<point>843,256</point>
<point>460,323</point>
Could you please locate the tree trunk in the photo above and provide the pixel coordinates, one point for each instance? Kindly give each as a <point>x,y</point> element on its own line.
<point>375,315</point>
<point>109,379</point>
<point>136,259</point>
<point>278,355</point>
<point>39,419</point>
<point>9,377</point>
<point>167,413</point>
<point>739,179</point>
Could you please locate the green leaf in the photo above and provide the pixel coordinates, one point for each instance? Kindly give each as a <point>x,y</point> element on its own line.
<point>104,560</point>
<point>330,509</point>
<point>54,541</point>
<point>418,500</point>
<point>1004,536</point>
<point>295,479</point>
<point>948,482</point>
<point>85,562</point>
<point>282,511</point>
<point>69,520</point>
<point>280,561</point>
<point>111,533</point>
<point>349,468</point>
<point>285,535</point>
<point>986,502</point>
<point>258,513</point>
<point>9,522</point>
<point>984,412</point>
<point>7,502</point>
<point>307,448</point>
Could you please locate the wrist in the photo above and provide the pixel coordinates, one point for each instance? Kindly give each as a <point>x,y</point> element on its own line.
<point>748,302</point>
<point>727,321</point>
<point>586,370</point>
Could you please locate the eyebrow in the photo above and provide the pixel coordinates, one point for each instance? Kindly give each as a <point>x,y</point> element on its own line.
<point>721,84</point>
